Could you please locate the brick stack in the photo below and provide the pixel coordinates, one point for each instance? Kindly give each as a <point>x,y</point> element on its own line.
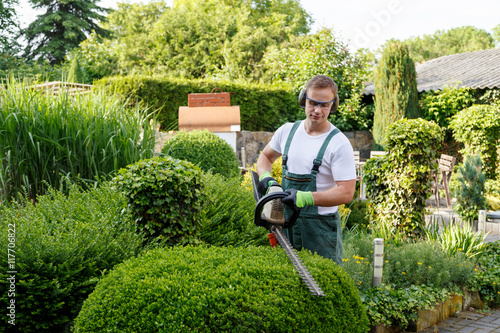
<point>208,99</point>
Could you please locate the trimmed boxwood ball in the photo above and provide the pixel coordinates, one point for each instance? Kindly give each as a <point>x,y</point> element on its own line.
<point>222,289</point>
<point>204,149</point>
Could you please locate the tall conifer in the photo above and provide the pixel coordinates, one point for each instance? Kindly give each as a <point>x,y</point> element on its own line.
<point>396,94</point>
<point>64,25</point>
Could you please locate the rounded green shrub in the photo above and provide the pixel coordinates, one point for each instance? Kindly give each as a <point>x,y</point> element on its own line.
<point>165,197</point>
<point>222,289</point>
<point>205,149</point>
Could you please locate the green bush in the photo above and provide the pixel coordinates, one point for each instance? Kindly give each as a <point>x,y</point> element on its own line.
<point>198,289</point>
<point>204,149</point>
<point>229,214</point>
<point>478,128</point>
<point>487,277</point>
<point>62,246</point>
<point>441,105</point>
<point>398,184</point>
<point>262,107</point>
<point>84,137</point>
<point>471,189</point>
<point>353,114</point>
<point>165,197</point>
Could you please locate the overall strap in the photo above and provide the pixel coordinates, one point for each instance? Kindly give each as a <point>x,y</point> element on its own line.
<point>319,158</point>
<point>289,141</point>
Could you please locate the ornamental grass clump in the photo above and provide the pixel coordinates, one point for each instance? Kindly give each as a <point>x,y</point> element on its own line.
<point>222,289</point>
<point>84,137</point>
<point>455,237</point>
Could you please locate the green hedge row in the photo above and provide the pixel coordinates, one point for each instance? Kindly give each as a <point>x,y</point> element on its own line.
<point>262,107</point>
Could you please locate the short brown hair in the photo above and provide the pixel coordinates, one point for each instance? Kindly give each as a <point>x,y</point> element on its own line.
<point>322,81</point>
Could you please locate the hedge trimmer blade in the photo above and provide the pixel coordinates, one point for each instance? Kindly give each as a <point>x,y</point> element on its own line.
<point>275,228</point>
<point>295,259</point>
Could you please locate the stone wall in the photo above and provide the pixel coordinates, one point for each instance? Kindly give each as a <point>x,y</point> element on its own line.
<point>254,143</point>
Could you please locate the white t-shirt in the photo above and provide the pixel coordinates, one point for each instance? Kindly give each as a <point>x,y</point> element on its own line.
<point>337,164</point>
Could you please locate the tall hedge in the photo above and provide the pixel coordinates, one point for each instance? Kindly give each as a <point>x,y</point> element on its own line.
<point>398,184</point>
<point>262,107</point>
<point>396,94</point>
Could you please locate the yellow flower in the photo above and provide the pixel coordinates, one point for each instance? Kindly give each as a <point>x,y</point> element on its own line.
<point>419,263</point>
<point>357,262</point>
<point>345,259</point>
<point>430,267</point>
<point>403,273</point>
<point>387,261</point>
<point>475,269</point>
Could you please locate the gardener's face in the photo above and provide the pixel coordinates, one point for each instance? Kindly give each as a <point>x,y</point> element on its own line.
<point>318,104</point>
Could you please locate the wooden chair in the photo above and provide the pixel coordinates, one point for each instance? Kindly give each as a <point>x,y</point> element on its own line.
<point>442,178</point>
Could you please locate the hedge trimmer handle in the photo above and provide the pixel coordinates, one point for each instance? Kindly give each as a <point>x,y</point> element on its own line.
<point>261,221</point>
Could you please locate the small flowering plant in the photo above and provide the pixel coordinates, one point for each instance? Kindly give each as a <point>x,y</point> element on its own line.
<point>406,265</point>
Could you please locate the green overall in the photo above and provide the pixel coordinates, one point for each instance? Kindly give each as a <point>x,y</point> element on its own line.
<point>317,233</point>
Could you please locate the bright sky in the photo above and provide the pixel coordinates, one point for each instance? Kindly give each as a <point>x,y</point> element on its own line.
<point>369,23</point>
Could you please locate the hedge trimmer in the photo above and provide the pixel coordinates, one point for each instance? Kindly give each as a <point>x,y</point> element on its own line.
<point>269,214</point>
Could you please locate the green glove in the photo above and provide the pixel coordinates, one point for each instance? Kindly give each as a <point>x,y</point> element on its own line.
<point>265,181</point>
<point>298,198</point>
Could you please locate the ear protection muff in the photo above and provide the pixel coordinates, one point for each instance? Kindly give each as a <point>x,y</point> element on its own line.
<point>302,101</point>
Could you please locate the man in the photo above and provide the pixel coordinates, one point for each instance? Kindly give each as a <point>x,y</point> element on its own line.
<point>318,171</point>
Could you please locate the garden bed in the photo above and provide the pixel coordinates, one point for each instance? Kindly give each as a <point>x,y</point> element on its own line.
<point>442,311</point>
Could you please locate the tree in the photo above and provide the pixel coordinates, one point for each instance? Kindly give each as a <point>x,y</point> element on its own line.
<point>396,94</point>
<point>496,34</point>
<point>309,55</point>
<point>441,43</point>
<point>65,24</point>
<point>9,24</point>
<point>196,39</point>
